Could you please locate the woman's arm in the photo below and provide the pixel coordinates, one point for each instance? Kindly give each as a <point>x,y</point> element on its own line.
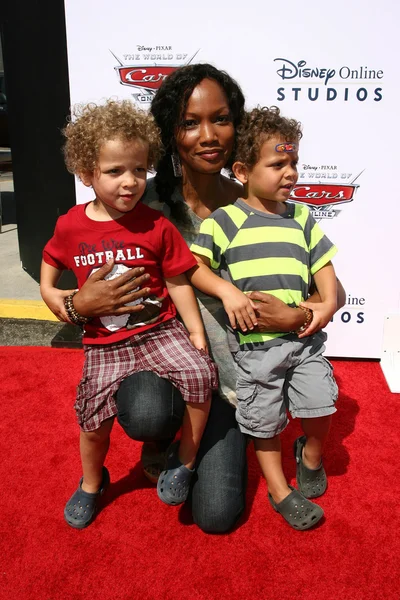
<point>183,297</point>
<point>274,315</point>
<point>101,297</point>
<point>98,296</point>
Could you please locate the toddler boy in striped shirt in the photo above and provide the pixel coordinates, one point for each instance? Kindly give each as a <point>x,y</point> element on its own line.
<point>264,243</point>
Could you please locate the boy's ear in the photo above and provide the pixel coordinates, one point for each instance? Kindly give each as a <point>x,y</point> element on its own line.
<point>86,177</point>
<point>241,172</point>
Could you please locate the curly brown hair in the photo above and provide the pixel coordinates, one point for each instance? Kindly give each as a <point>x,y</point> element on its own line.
<point>258,126</point>
<point>92,125</point>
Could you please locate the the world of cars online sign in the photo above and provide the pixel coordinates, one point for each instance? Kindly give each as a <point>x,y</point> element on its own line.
<point>333,67</point>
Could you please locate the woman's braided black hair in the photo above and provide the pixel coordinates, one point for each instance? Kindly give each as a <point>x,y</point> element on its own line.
<point>168,107</point>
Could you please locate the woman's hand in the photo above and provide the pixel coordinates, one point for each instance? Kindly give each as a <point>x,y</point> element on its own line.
<point>273,315</point>
<point>100,297</point>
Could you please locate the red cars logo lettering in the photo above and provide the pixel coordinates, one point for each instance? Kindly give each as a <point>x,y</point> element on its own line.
<point>322,198</point>
<point>147,68</point>
<point>144,77</point>
<point>317,194</point>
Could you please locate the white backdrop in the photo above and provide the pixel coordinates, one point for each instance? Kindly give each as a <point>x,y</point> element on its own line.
<point>333,66</point>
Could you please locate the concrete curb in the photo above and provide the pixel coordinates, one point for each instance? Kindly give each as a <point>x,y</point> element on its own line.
<point>35,332</point>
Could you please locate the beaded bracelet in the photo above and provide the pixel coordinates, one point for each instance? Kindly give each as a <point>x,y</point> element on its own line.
<point>73,315</point>
<point>309,318</point>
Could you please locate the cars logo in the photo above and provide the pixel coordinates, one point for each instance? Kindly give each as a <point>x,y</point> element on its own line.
<point>145,75</point>
<point>317,194</point>
<point>144,78</point>
<point>323,197</point>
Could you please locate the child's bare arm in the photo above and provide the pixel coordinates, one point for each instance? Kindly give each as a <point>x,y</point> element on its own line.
<point>183,297</point>
<point>239,308</point>
<point>326,283</point>
<point>341,295</point>
<point>53,297</point>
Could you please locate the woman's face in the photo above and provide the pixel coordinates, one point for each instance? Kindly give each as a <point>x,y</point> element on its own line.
<point>205,138</point>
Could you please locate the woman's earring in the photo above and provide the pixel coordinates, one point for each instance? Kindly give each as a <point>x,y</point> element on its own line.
<point>176,164</point>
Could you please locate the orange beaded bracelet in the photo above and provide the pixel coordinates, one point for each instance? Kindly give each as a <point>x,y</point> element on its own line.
<point>309,318</point>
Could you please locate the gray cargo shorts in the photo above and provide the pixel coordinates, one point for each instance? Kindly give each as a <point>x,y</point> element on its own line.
<point>292,376</point>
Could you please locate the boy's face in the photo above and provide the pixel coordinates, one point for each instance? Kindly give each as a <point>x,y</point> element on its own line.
<point>119,179</point>
<point>274,175</point>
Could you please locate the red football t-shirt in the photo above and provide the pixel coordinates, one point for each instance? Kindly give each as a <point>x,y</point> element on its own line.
<point>141,238</point>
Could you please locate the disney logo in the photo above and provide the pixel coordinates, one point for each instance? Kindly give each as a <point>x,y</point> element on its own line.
<point>290,70</point>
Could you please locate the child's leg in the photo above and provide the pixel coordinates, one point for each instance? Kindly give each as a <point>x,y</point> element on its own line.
<point>299,512</point>
<point>261,414</point>
<point>94,447</point>
<point>316,431</point>
<point>310,473</point>
<point>268,451</point>
<point>172,356</point>
<point>312,393</point>
<point>194,422</point>
<point>174,482</point>
<point>81,508</point>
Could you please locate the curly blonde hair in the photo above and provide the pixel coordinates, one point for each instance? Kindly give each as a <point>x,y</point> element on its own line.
<point>92,125</point>
<point>258,126</point>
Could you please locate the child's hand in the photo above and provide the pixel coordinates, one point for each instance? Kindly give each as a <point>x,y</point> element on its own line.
<point>198,340</point>
<point>322,314</point>
<point>54,298</point>
<point>240,309</point>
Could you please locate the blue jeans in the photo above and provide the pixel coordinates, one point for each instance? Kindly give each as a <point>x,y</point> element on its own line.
<point>151,408</point>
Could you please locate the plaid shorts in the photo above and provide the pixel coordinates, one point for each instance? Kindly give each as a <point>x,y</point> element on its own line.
<point>166,350</point>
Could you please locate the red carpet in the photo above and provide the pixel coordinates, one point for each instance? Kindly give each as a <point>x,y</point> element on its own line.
<point>140,548</point>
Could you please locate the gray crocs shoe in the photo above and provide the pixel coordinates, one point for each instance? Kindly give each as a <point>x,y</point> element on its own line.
<point>297,511</point>
<point>174,483</point>
<point>312,482</point>
<point>81,508</point>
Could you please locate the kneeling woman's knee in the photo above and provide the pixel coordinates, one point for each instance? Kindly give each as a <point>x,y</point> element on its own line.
<point>149,407</point>
<point>219,518</point>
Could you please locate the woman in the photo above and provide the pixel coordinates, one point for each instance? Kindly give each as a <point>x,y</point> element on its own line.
<point>198,109</point>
